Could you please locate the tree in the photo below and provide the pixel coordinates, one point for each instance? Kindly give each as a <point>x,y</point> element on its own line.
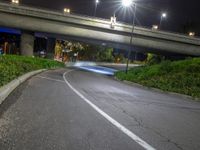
<point>105,54</point>
<point>84,51</point>
<point>58,49</point>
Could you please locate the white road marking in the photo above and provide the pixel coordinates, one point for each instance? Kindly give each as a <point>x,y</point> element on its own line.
<point>134,137</point>
<point>51,79</point>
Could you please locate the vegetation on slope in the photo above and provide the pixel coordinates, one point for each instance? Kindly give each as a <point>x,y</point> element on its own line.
<point>178,76</point>
<point>12,66</point>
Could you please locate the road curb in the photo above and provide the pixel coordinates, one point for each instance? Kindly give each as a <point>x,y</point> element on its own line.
<point>158,90</point>
<point>8,88</point>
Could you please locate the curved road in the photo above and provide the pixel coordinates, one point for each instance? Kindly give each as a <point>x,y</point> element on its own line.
<point>80,110</point>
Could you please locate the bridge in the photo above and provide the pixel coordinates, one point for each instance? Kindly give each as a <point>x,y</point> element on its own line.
<point>30,20</point>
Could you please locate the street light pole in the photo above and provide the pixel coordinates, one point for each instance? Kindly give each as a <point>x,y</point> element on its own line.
<point>96,4</point>
<point>163,15</point>
<point>131,40</point>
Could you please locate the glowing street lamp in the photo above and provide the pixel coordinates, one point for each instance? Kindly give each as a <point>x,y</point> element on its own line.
<point>15,1</point>
<point>96,4</point>
<point>129,3</point>
<point>155,27</point>
<point>192,34</point>
<point>163,16</point>
<point>67,10</point>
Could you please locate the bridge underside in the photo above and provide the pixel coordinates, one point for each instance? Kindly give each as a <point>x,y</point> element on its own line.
<point>94,35</point>
<point>140,49</point>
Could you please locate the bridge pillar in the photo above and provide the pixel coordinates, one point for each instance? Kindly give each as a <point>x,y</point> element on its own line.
<point>51,42</point>
<point>27,43</point>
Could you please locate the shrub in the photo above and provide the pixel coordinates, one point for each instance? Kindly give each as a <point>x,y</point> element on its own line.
<point>178,76</point>
<point>12,66</point>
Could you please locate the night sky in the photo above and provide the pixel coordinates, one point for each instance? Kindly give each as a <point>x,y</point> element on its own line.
<point>183,15</point>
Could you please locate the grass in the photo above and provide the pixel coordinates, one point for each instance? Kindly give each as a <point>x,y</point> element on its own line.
<point>12,66</point>
<point>178,76</point>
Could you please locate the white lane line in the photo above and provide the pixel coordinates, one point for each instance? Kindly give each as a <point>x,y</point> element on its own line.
<point>51,79</point>
<point>134,137</point>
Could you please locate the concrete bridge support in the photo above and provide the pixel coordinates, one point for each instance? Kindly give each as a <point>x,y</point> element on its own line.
<point>27,43</point>
<point>51,42</point>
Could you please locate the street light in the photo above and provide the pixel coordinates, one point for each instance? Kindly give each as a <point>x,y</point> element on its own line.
<point>192,34</point>
<point>15,1</point>
<point>129,3</point>
<point>163,15</point>
<point>96,4</point>
<point>66,10</point>
<point>155,27</point>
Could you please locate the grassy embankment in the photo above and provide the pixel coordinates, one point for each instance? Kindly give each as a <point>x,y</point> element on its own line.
<point>178,76</point>
<point>12,66</point>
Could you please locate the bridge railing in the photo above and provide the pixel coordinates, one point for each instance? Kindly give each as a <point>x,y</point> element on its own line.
<point>118,23</point>
<point>52,11</point>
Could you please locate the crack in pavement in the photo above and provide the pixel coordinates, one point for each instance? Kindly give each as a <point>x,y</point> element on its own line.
<point>140,124</point>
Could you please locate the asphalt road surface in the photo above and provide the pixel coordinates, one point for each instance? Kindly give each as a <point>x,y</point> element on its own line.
<point>72,109</point>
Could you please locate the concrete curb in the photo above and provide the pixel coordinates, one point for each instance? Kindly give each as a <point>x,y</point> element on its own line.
<point>8,88</point>
<point>158,90</point>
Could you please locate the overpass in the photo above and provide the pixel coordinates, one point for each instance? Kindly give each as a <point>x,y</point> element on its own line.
<point>30,20</point>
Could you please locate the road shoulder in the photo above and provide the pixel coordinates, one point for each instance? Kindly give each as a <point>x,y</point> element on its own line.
<point>8,88</point>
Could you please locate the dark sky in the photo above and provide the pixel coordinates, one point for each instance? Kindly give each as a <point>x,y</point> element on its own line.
<point>182,14</point>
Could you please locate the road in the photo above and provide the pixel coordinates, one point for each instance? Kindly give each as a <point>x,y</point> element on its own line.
<point>82,110</point>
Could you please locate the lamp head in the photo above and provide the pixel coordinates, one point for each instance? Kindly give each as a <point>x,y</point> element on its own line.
<point>127,3</point>
<point>164,15</point>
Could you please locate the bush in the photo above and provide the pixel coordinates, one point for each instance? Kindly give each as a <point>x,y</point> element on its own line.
<point>12,66</point>
<point>178,76</point>
<point>153,59</point>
